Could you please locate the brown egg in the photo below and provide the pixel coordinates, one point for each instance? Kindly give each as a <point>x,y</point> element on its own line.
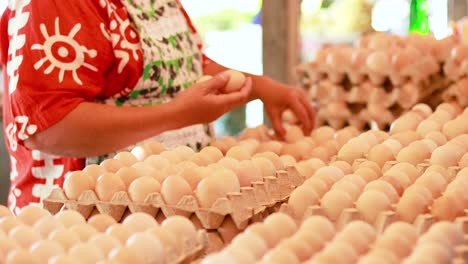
<point>445,156</point>
<point>142,187</point>
<point>421,189</point>
<point>337,252</point>
<point>247,172</point>
<point>181,227</point>
<point>238,153</point>
<point>407,122</point>
<point>9,222</point>
<point>292,150</point>
<point>107,185</point>
<point>184,152</point>
<point>142,152</point>
<point>271,238</point>
<point>414,153</point>
<point>158,162</point>
<point>283,224</point>
<point>154,147</point>
<point>369,164</point>
<point>379,255</point>
<point>250,145</point>
<point>334,202</point>
<point>319,186</point>
<point>278,256</point>
<point>371,203</point>
<point>86,253</point>
<point>367,174</point>
<point>380,154</point>
<point>301,198</point>
<point>323,134</point>
<point>333,172</point>
<point>356,180</point>
<point>216,186</point>
<point>406,230</point>
<point>343,166</point>
<point>321,153</point>
<point>104,242</point>
<point>265,165</point>
<point>399,180</point>
<point>446,232</point>
<point>423,109</point>
<point>76,183</point>
<point>24,235</point>
<point>112,165</point>
<point>447,207</point>
<point>174,188</point>
<point>194,175</point>
<point>169,241</point>
<point>46,249</point>
<point>348,187</point>
<point>236,80</point>
<point>411,205</point>
<point>293,134</point>
<point>120,232</point>
<point>84,231</point>
<point>434,181</point>
<point>94,171</point>
<point>384,187</point>
<point>127,175</point>
<point>359,234</point>
<point>273,157</point>
<point>437,137</point>
<point>427,126</point>
<point>21,256</point>
<point>352,150</point>
<point>318,226</point>
<point>123,255</point>
<point>270,146</point>
<point>252,242</point>
<point>127,158</point>
<point>406,168</point>
<point>31,214</point>
<point>405,138</point>
<point>430,252</point>
<point>47,225</point>
<point>69,218</point>
<point>394,145</point>
<point>139,222</point>
<point>395,243</point>
<point>101,222</point>
<point>214,153</point>
<point>66,238</point>
<point>296,246</point>
<point>312,243</point>
<point>455,127</point>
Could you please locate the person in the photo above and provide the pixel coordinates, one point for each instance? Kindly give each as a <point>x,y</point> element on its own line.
<point>77,74</point>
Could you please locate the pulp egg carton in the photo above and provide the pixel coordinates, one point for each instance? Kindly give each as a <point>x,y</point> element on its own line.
<point>192,249</point>
<point>242,207</point>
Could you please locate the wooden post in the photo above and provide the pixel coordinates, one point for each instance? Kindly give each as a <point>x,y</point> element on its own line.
<point>280,23</point>
<point>457,9</point>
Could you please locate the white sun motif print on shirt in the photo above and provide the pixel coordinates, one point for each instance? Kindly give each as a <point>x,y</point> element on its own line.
<point>63,52</point>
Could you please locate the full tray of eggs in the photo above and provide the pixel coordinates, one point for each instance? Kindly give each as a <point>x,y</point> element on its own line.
<point>283,239</point>
<point>382,77</point>
<point>36,236</point>
<point>240,184</point>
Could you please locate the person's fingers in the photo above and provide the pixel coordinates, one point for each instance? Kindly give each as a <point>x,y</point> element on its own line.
<point>275,118</point>
<point>310,112</point>
<point>215,84</point>
<point>236,98</point>
<point>301,113</point>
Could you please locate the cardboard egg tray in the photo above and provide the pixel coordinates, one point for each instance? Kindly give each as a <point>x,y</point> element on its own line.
<point>242,207</point>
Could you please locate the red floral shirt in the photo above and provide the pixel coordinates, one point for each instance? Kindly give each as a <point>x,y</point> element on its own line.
<point>59,54</point>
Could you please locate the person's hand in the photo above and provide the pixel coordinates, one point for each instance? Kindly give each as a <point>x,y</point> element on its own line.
<point>278,98</point>
<point>204,102</point>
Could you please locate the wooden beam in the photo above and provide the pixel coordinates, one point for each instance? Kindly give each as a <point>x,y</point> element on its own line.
<point>280,23</point>
<point>457,9</point>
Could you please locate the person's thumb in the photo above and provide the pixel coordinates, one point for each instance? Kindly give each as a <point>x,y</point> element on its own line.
<point>217,83</point>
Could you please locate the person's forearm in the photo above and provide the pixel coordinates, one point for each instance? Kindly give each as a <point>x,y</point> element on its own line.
<point>259,83</point>
<point>93,129</point>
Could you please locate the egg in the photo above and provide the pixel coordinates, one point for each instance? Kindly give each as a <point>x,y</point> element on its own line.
<point>283,224</point>
<point>7,223</point>
<point>120,232</point>
<point>296,245</point>
<point>86,253</point>
<point>107,185</point>
<point>47,225</point>
<point>21,256</point>
<point>168,240</point>
<point>395,243</point>
<point>278,256</point>
<point>123,255</point>
<point>215,186</point>
<point>238,153</point>
<point>445,156</point>
<point>348,187</point>
<point>357,180</point>
<point>142,187</point>
<point>94,171</point>
<point>318,226</point>
<point>273,157</point>
<point>411,205</point>
<point>236,81</point>
<point>172,156</point>
<point>271,238</point>
<point>421,189</point>
<point>334,202</point>
<point>153,147</point>
<point>405,168</point>
<point>76,183</point>
<point>292,150</point>
<point>337,252</point>
<point>46,249</point>
<point>265,165</point>
<point>112,165</point>
<point>127,175</point>
<point>384,187</point>
<point>427,126</point>
<point>247,172</point>
<point>319,186</point>
<point>270,146</point>
<point>379,255</point>
<point>139,222</point>
<point>405,138</point>
<point>301,198</point>
<point>323,134</point>
<point>158,162</point>
<point>66,238</point>
<point>445,232</point>
<point>367,174</point>
<point>127,158</point>
<point>174,188</point>
<point>104,242</point>
<point>394,145</point>
<point>406,230</point>
<point>214,153</point>
<point>434,181</point>
<point>142,152</point>
<point>447,207</point>
<point>250,145</point>
<point>414,153</point>
<point>250,242</point>
<point>432,252</point>
<point>293,134</point>
<point>333,172</point>
<point>84,231</point>
<point>399,181</point>
<point>101,222</point>
<point>380,154</point>
<point>31,214</point>
<point>181,228</point>
<point>360,235</point>
<point>69,218</point>
<point>343,166</point>
<point>288,160</point>
<point>25,236</point>
<point>145,169</point>
<point>371,203</point>
<point>437,137</point>
<point>194,175</point>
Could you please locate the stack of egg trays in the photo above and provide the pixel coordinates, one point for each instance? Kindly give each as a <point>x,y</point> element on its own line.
<point>243,207</point>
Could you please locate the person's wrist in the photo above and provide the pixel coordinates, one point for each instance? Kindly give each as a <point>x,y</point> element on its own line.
<point>176,115</point>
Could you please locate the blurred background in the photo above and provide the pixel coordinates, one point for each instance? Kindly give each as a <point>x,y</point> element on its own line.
<point>232,33</point>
